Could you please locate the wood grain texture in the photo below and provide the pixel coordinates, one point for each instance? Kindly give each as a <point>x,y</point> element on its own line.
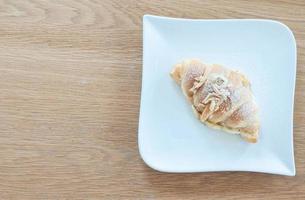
<point>70,78</point>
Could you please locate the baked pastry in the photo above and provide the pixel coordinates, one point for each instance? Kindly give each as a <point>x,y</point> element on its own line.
<point>221,98</point>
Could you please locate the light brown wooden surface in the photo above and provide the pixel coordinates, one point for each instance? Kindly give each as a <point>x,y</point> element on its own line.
<point>70,79</point>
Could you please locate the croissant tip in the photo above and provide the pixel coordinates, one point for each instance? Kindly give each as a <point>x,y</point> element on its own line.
<point>250,138</point>
<point>176,73</point>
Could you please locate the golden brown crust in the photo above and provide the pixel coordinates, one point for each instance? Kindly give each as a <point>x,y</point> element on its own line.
<point>221,98</point>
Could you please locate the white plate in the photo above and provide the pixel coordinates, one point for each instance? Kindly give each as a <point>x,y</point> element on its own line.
<point>171,139</point>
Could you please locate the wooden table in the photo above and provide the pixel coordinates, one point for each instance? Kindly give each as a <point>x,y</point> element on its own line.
<point>70,75</point>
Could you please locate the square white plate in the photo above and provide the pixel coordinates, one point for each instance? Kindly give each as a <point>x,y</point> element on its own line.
<point>171,139</point>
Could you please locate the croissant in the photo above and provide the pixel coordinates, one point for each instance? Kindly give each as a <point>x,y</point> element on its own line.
<point>221,98</point>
